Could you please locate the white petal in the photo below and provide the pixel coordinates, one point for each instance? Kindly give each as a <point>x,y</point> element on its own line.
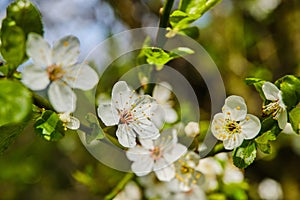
<point>65,51</point>
<point>250,126</point>
<point>146,143</point>
<point>145,129</point>
<point>270,90</point>
<point>162,92</point>
<point>235,108</point>
<point>35,77</point>
<point>282,119</point>
<point>126,136</point>
<point>39,50</point>
<point>170,114</point>
<point>73,124</point>
<point>81,76</point>
<point>122,96</point>
<point>163,170</point>
<point>234,141</point>
<point>158,117</point>
<point>137,153</point>
<point>174,153</point>
<point>62,97</point>
<point>217,127</point>
<point>143,166</point>
<point>108,114</point>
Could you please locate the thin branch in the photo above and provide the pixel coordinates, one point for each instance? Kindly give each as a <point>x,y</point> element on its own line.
<point>120,186</point>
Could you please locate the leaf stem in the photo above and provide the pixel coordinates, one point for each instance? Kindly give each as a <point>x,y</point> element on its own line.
<point>120,186</point>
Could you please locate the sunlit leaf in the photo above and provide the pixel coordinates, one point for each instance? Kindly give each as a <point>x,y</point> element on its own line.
<point>263,141</point>
<point>295,119</point>
<point>244,155</point>
<point>257,83</point>
<point>49,126</point>
<point>15,101</point>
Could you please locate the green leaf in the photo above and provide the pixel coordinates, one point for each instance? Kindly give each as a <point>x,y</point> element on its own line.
<point>15,101</point>
<point>156,56</point>
<point>197,7</point>
<point>96,132</point>
<point>263,141</point>
<point>192,32</point>
<point>244,155</point>
<point>8,134</point>
<point>290,87</point>
<point>13,44</point>
<point>294,116</point>
<point>257,83</point>
<point>49,126</point>
<point>22,17</point>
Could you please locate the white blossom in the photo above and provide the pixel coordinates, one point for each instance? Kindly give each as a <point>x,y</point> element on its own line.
<point>277,107</point>
<point>57,69</point>
<point>270,189</point>
<point>157,155</point>
<point>234,125</point>
<point>211,168</point>
<point>187,174</point>
<point>232,174</point>
<point>131,191</point>
<point>132,113</point>
<point>192,129</point>
<point>162,94</point>
<point>194,193</point>
<point>69,121</point>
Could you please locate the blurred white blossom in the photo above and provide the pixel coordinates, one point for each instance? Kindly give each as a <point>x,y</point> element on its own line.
<point>130,192</point>
<point>69,121</point>
<point>270,189</point>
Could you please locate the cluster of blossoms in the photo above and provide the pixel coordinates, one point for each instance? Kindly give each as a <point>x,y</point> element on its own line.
<point>140,120</point>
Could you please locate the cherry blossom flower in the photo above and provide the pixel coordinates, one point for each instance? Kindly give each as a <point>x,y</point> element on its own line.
<point>186,173</point>
<point>211,168</point>
<point>234,125</point>
<point>57,69</point>
<point>194,193</point>
<point>132,113</point>
<point>162,94</point>
<point>277,107</point>
<point>69,121</point>
<point>192,129</point>
<point>157,155</point>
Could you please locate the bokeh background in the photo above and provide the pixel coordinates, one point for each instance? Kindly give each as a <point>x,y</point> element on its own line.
<point>245,38</point>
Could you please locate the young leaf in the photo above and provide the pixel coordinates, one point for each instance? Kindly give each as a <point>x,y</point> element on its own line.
<point>257,83</point>
<point>49,126</point>
<point>263,141</point>
<point>8,134</point>
<point>96,132</point>
<point>295,119</point>
<point>245,154</point>
<point>15,101</point>
<point>290,87</point>
<point>22,17</point>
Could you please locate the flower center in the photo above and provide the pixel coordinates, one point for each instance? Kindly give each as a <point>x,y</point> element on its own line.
<point>55,72</point>
<point>272,108</point>
<point>156,153</point>
<point>185,169</point>
<point>126,117</point>
<point>232,127</point>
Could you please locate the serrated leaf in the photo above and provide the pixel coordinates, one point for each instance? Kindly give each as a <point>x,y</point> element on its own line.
<point>244,155</point>
<point>294,116</point>
<point>95,132</point>
<point>15,101</point>
<point>49,126</point>
<point>22,17</point>
<point>9,133</point>
<point>263,141</point>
